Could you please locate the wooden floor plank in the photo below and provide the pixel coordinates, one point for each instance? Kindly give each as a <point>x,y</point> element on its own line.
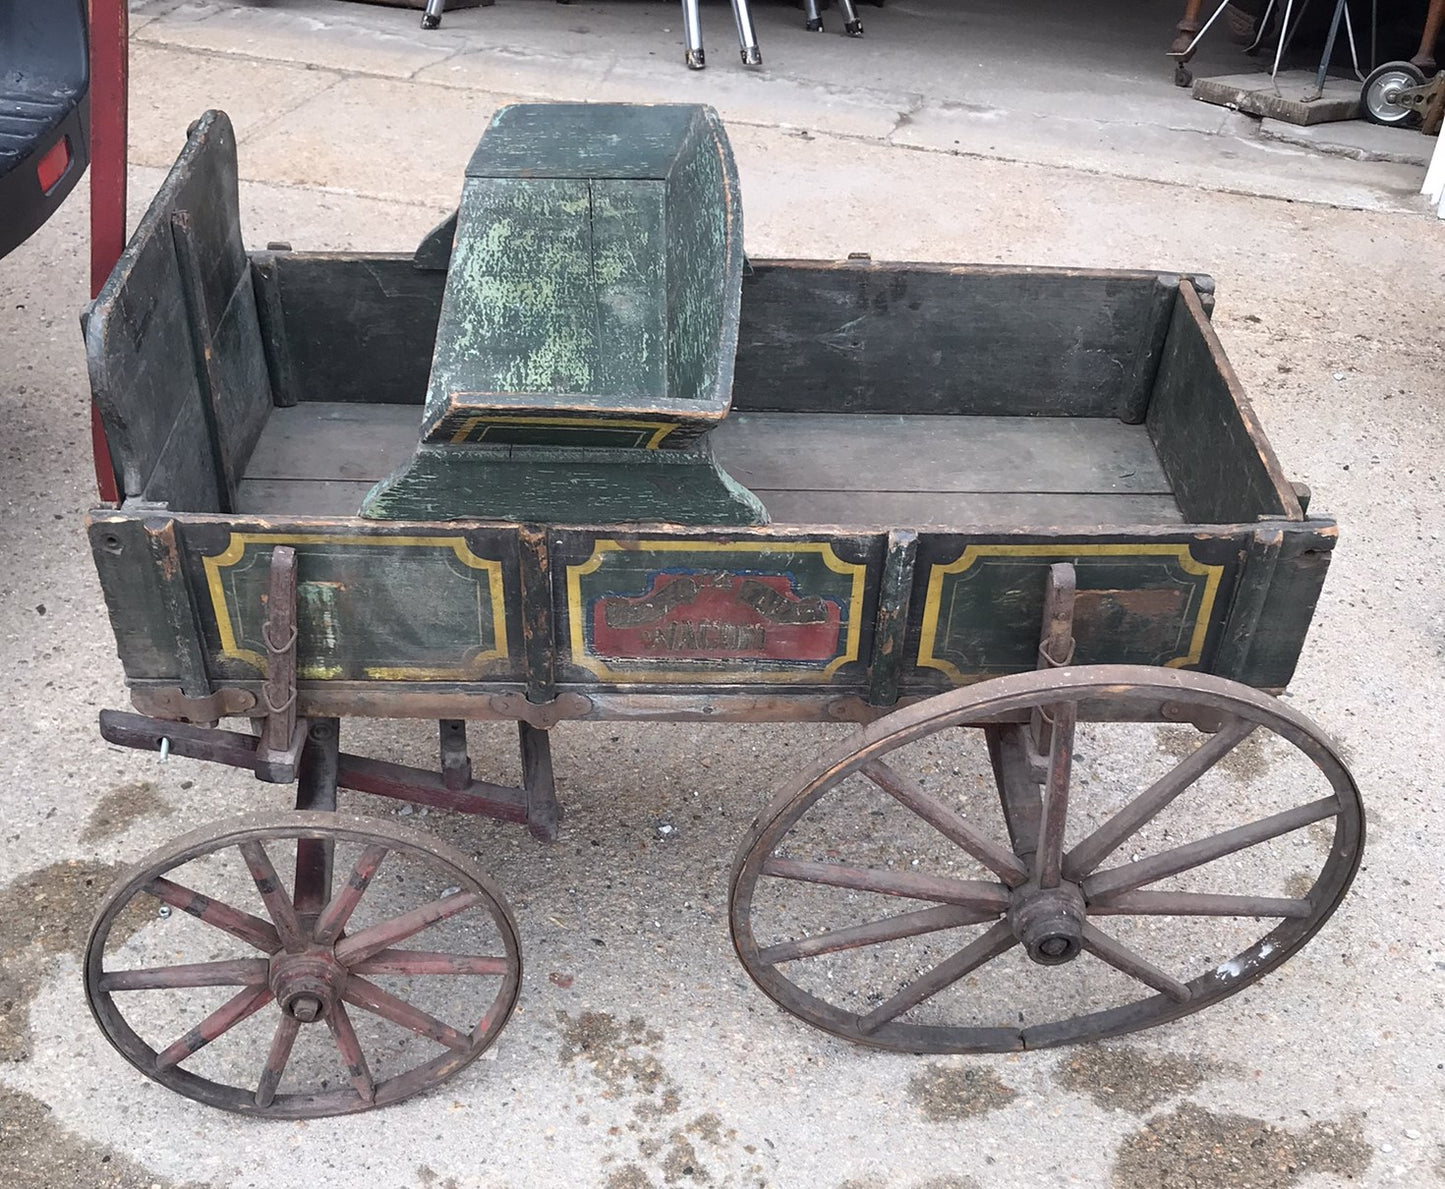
<point>864,471</point>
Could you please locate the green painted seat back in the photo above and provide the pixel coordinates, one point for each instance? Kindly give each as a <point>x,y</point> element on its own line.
<point>595,281</point>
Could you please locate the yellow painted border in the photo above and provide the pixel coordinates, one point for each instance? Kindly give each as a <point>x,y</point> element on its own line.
<point>933,601</point>
<point>660,429</point>
<point>577,625</point>
<point>236,549</point>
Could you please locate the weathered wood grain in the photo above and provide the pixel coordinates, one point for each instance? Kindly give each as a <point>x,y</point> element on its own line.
<point>358,326</point>
<point>871,471</point>
<point>1221,468</point>
<point>858,337</point>
<point>143,335</point>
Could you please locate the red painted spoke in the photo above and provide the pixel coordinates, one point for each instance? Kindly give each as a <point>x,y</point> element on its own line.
<point>908,924</point>
<point>370,997</point>
<point>947,821</point>
<point>982,949</point>
<point>222,1020</point>
<point>973,892</point>
<point>335,915</point>
<point>1121,958</point>
<point>1049,861</point>
<point>380,936</point>
<point>351,1055</point>
<point>425,962</point>
<point>1195,854</point>
<point>250,929</point>
<point>1104,841</point>
<point>1198,904</point>
<point>277,902</point>
<point>236,972</point>
<point>276,1059</point>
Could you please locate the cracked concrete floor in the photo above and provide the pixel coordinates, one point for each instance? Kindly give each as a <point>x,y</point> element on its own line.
<point>641,1054</point>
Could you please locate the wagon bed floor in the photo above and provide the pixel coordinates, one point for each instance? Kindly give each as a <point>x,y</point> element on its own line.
<point>866,471</point>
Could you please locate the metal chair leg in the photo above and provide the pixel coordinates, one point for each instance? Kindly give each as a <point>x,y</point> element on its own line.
<point>692,34</point>
<point>851,24</point>
<point>812,18</point>
<point>747,39</point>
<point>432,17</point>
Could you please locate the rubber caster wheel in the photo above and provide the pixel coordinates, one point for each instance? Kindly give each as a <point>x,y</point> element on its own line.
<point>853,28</point>
<point>1098,868</point>
<point>1375,101</point>
<point>230,967</point>
<point>695,59</point>
<point>752,57</point>
<point>1182,76</point>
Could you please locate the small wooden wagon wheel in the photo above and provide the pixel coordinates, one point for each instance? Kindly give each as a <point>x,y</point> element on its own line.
<point>210,998</point>
<point>1038,906</point>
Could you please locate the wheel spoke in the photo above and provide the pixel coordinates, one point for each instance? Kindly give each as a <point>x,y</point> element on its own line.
<point>387,933</point>
<point>224,1018</point>
<point>1048,862</point>
<point>947,821</point>
<point>425,962</point>
<point>974,893</point>
<point>278,904</point>
<point>250,929</point>
<point>369,997</point>
<point>908,924</point>
<point>351,1055</point>
<point>235,972</point>
<point>1018,791</point>
<point>335,915</point>
<point>1195,854</point>
<point>982,949</point>
<point>1198,904</point>
<point>281,1042</point>
<point>1104,841</point>
<point>1123,959</point>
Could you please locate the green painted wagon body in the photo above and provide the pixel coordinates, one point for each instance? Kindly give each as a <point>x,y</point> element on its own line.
<point>576,458</point>
<point>928,440</point>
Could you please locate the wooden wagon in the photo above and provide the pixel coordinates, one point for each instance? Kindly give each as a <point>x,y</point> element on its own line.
<point>578,459</point>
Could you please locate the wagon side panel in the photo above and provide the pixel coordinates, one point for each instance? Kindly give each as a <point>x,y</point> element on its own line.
<point>783,610</point>
<point>1148,597</point>
<point>398,602</point>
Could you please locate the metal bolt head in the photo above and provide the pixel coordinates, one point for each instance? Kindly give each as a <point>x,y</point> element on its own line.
<point>306,1008</point>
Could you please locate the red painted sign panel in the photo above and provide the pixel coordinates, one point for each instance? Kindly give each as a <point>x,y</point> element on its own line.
<point>717,615</point>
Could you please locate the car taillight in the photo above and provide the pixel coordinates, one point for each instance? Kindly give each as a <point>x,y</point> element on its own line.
<point>54,165</point>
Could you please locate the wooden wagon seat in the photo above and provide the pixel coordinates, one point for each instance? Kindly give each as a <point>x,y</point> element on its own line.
<point>589,324</point>
<point>595,280</point>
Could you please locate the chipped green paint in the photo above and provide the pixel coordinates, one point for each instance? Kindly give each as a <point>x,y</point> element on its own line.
<point>592,302</point>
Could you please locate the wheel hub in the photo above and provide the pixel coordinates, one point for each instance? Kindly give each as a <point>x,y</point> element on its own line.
<point>307,985</point>
<point>1049,922</point>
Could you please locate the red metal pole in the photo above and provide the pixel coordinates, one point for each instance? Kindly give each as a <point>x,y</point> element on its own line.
<point>109,37</point>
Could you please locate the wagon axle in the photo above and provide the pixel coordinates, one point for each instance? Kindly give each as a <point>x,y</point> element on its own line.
<point>1048,922</point>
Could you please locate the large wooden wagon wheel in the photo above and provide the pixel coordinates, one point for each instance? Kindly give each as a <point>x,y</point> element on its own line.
<point>1055,904</point>
<point>315,1003</point>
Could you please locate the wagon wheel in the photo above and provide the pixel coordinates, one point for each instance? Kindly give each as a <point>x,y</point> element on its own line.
<point>289,1011</point>
<point>1042,914</point>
